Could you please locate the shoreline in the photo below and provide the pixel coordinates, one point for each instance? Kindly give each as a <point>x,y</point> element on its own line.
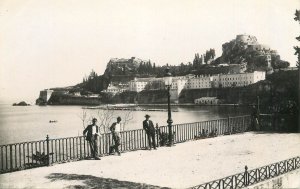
<point>137,107</point>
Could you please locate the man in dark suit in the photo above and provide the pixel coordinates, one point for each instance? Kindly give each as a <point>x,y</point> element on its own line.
<point>92,136</point>
<point>150,131</point>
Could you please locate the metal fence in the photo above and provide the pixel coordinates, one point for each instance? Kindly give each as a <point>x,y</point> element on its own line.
<point>254,176</point>
<point>25,155</point>
<point>278,122</point>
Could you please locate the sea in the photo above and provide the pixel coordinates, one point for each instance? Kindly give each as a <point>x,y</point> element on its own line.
<point>32,123</point>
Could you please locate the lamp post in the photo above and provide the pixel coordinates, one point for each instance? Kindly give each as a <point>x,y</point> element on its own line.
<point>168,83</point>
<point>258,114</point>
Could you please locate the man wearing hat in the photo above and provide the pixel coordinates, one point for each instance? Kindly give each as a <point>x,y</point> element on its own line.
<point>92,136</point>
<point>150,131</point>
<point>115,129</point>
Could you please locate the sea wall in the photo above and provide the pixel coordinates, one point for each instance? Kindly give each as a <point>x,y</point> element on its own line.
<point>156,97</point>
<point>129,97</point>
<point>231,95</point>
<point>62,99</point>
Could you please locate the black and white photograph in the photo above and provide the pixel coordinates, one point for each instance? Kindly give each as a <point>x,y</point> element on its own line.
<point>149,94</point>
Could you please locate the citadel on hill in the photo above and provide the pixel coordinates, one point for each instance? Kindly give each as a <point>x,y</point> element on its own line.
<point>243,62</point>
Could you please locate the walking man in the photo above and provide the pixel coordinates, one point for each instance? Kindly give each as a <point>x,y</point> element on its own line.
<point>92,137</point>
<point>115,129</point>
<point>255,118</point>
<point>150,131</point>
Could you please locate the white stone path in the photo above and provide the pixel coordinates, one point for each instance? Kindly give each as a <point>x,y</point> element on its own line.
<point>181,166</point>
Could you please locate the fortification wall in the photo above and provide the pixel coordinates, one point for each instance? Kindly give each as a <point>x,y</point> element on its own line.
<point>59,99</point>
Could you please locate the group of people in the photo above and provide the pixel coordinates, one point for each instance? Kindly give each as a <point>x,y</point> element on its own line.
<point>92,133</point>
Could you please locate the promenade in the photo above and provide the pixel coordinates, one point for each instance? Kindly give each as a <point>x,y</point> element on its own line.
<point>181,166</point>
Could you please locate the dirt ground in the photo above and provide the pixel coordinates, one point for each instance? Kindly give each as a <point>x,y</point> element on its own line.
<point>181,166</point>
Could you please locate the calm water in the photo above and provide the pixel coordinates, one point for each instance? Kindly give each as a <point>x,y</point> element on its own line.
<point>19,124</point>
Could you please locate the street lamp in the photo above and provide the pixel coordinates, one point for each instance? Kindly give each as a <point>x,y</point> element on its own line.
<point>168,83</point>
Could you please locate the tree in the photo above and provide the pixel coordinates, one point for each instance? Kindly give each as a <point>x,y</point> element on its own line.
<point>195,61</point>
<point>105,119</point>
<point>213,53</point>
<point>83,117</point>
<point>149,67</point>
<point>297,48</point>
<point>210,54</point>
<point>126,117</point>
<point>297,52</point>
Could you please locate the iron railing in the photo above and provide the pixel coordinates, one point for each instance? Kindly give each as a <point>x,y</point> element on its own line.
<point>278,122</point>
<point>24,155</point>
<point>254,176</point>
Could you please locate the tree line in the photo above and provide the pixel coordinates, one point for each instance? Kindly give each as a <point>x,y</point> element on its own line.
<point>204,59</point>
<point>94,83</point>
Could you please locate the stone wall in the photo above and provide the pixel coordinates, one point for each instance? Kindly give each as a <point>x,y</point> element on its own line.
<point>157,97</point>
<point>60,99</point>
<point>231,95</point>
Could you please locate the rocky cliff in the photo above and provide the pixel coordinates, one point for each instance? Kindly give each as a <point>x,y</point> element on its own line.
<point>247,49</point>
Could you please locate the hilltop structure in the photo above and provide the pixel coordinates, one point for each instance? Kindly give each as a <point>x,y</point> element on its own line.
<point>246,49</point>
<point>122,66</point>
<point>244,61</point>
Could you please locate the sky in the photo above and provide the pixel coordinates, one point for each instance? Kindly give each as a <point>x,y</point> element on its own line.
<point>55,43</point>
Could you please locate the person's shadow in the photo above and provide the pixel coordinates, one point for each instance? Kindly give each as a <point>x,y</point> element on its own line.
<point>97,182</point>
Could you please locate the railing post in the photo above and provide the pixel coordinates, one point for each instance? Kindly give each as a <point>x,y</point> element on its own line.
<point>268,172</point>
<point>10,157</point>
<point>145,139</point>
<point>48,158</point>
<point>246,174</point>
<point>243,125</point>
<point>157,135</point>
<point>80,145</point>
<point>257,175</point>
<point>232,182</point>
<point>228,123</point>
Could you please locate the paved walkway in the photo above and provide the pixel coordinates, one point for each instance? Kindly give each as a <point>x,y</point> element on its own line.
<point>184,165</point>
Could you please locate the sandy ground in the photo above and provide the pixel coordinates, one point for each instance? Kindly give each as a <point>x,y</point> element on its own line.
<point>184,165</point>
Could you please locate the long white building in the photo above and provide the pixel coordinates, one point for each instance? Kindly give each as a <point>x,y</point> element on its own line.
<point>150,83</point>
<point>198,82</point>
<point>115,89</point>
<point>238,80</point>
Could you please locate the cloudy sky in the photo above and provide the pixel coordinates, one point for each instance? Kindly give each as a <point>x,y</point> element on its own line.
<point>54,43</point>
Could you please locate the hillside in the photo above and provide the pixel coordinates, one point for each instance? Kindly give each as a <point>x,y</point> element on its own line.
<point>247,49</point>
<point>242,54</point>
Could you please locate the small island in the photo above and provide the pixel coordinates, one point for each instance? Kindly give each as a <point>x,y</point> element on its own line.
<point>22,103</point>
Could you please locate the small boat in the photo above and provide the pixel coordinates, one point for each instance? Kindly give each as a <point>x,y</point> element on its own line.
<point>52,121</point>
